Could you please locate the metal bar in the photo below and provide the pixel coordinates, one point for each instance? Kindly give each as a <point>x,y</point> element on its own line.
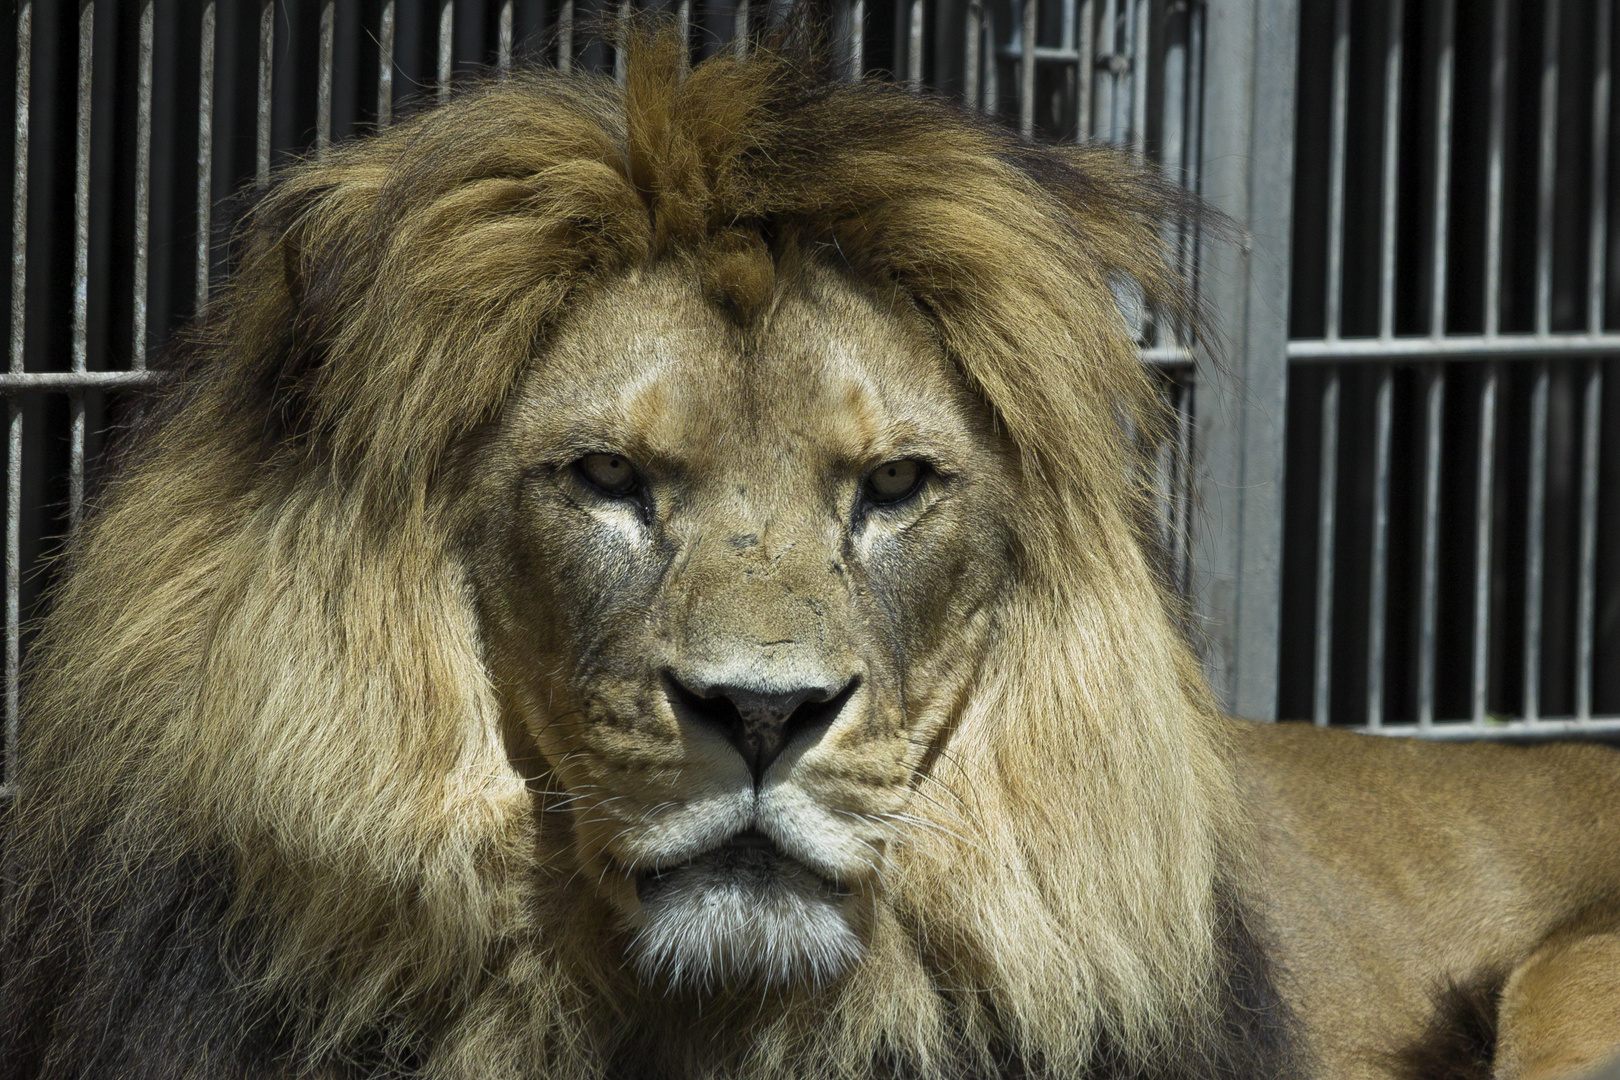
<point>323,84</point>
<point>1173,125</point>
<point>1434,405</point>
<point>1535,543</point>
<point>1586,584</point>
<point>683,27</point>
<point>1454,347</point>
<point>619,57</point>
<point>565,37</point>
<point>972,53</point>
<point>205,154</point>
<point>17,381</point>
<point>503,40</point>
<point>1139,78</point>
<point>1327,501</point>
<point>1506,729</point>
<point>1485,491</point>
<point>857,40</point>
<point>81,260</point>
<point>1445,80</point>
<point>1086,71</point>
<point>1184,452</point>
<point>1251,57</point>
<point>267,48</point>
<point>1377,605</point>
<point>914,50</point>
<point>1547,172</point>
<point>992,69</point>
<point>1493,175</point>
<point>385,66</point>
<point>19,185</point>
<point>1338,128</point>
<point>143,191</point>
<point>19,312</point>
<point>447,28</point>
<point>1105,75</point>
<point>1119,66</point>
<point>739,28</point>
<point>1026,73</point>
<point>1597,272</point>
<point>1390,186</point>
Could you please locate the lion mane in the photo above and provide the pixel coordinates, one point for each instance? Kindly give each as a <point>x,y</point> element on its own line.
<point>270,819</point>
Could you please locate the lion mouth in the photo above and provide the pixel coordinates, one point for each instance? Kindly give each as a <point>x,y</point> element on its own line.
<point>748,858</point>
<point>742,911</point>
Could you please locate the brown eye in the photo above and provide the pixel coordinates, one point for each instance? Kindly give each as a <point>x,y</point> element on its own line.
<point>612,473</point>
<point>894,480</point>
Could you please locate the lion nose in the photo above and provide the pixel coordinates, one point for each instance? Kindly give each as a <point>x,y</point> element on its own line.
<point>759,723</point>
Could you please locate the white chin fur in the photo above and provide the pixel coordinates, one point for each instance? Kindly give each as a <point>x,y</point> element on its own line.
<point>734,917</point>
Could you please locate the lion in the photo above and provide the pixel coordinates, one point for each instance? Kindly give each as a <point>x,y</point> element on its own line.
<point>656,582</point>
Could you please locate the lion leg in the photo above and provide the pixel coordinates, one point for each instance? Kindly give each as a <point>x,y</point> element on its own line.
<point>1560,1011</point>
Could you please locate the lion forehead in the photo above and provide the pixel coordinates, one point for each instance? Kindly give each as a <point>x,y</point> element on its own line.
<point>650,366</point>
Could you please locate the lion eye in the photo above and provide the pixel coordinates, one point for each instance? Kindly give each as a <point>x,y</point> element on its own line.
<point>612,473</point>
<point>894,480</point>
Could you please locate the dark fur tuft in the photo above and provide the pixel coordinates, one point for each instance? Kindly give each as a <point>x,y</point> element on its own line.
<point>1460,1040</point>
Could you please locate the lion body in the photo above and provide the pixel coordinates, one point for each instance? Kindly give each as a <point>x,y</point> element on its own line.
<point>499,655</point>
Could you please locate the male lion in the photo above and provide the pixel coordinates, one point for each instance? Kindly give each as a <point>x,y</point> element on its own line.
<point>650,583</point>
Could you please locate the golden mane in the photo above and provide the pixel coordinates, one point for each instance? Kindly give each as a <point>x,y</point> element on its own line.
<point>262,671</point>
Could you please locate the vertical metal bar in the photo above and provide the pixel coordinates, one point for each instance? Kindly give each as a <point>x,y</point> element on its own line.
<point>1106,57</point>
<point>1172,138</point>
<point>1547,173</point>
<point>1119,62</point>
<point>683,28</point>
<point>503,40</point>
<point>1139,77</point>
<point>267,46</point>
<point>1339,124</point>
<point>1599,253</point>
<point>323,84</point>
<point>565,37</point>
<point>385,66</point>
<point>1484,512</point>
<point>1445,80</point>
<point>972,53</point>
<point>1390,186</point>
<point>1494,165</point>
<point>914,51</point>
<point>81,261</point>
<point>619,54</point>
<point>1026,72</point>
<point>739,28</point>
<point>143,191</point>
<point>1327,501</point>
<point>857,40</point>
<point>19,317</point>
<point>1535,543</point>
<point>992,66</point>
<point>1184,452</point>
<point>205,154</point>
<point>1434,405</point>
<point>1586,585</point>
<point>1247,150</point>
<point>1377,604</point>
<point>447,27</point>
<point>1085,78</point>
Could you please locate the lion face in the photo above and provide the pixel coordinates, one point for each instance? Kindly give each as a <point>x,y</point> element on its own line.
<point>734,584</point>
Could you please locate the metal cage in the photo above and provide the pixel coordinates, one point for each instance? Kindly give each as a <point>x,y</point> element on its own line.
<point>1393,504</point>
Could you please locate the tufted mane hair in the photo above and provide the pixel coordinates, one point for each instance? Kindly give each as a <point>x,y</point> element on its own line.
<point>265,782</point>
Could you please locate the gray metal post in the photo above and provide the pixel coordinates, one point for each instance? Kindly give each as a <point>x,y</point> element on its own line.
<point>1248,172</point>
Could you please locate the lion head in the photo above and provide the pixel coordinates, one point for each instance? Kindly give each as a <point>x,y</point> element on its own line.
<point>618,558</point>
